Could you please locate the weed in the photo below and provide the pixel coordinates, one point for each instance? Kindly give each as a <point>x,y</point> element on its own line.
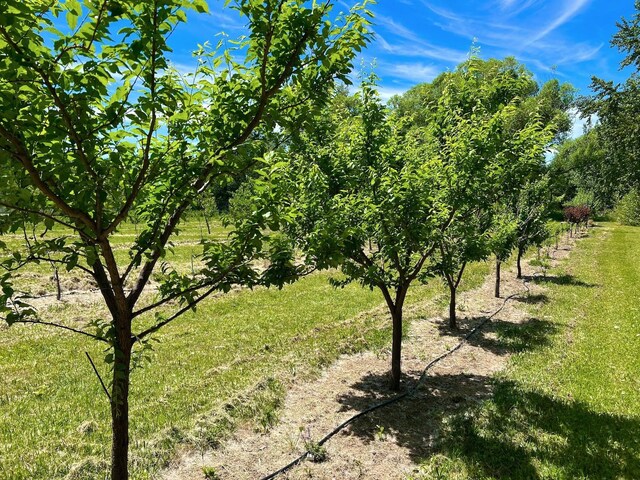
<point>315,452</point>
<point>210,473</point>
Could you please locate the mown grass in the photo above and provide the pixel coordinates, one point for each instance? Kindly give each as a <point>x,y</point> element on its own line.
<point>182,254</point>
<point>568,407</point>
<point>227,363</point>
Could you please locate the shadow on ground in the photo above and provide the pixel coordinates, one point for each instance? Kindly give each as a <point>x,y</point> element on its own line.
<point>502,337</point>
<point>522,434</point>
<point>518,434</point>
<point>559,280</point>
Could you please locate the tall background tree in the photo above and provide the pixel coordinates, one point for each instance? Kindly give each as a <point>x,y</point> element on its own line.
<point>96,126</point>
<point>605,162</point>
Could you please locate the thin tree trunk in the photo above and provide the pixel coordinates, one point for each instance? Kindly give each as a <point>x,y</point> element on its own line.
<point>520,252</point>
<point>120,404</point>
<point>497,292</point>
<point>206,220</point>
<point>396,348</point>
<point>453,321</point>
<point>56,279</point>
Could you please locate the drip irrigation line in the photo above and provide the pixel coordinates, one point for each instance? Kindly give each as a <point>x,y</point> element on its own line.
<point>401,396</point>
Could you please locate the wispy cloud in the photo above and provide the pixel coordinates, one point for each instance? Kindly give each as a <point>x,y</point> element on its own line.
<point>386,93</point>
<point>571,9</point>
<point>518,37</point>
<point>412,72</point>
<point>413,45</point>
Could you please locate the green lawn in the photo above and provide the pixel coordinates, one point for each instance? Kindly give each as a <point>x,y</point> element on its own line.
<point>224,364</point>
<point>568,407</point>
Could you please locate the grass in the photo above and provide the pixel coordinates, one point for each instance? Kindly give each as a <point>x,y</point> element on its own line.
<point>568,407</point>
<point>227,363</point>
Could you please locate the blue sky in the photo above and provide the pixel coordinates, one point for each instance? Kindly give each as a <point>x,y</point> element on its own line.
<point>418,39</point>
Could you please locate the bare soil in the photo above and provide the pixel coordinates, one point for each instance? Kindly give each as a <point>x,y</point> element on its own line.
<point>387,443</point>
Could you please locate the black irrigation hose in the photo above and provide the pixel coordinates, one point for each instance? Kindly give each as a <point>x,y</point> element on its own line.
<point>397,398</point>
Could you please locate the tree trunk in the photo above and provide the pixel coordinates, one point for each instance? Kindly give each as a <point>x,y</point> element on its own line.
<point>497,292</point>
<point>206,220</point>
<point>453,321</point>
<point>120,408</point>
<point>396,349</point>
<point>520,252</point>
<point>56,278</point>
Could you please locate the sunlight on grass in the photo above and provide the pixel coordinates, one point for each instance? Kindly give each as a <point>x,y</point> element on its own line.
<point>569,406</point>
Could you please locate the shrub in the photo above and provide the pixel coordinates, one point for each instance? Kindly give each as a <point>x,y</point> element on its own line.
<point>577,214</point>
<point>627,211</point>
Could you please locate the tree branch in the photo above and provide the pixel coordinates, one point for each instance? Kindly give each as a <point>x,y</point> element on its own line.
<point>63,327</point>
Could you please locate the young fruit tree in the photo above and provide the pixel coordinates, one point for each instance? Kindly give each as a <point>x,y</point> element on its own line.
<point>464,242</point>
<point>532,215</point>
<point>502,238</point>
<point>355,189</point>
<point>373,192</point>
<point>96,125</point>
<point>505,90</point>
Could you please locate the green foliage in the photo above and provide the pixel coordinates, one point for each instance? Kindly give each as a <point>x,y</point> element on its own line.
<point>627,210</point>
<point>533,213</point>
<point>503,233</point>
<point>579,172</point>
<point>210,473</point>
<point>125,134</point>
<point>241,203</point>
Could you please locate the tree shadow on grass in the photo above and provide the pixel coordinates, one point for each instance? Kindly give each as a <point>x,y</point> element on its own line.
<point>495,428</point>
<point>533,299</point>
<point>559,280</point>
<point>524,434</point>
<point>503,337</point>
<point>514,337</point>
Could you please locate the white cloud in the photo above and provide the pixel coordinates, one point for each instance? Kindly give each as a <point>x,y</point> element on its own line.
<point>414,45</point>
<point>581,124</point>
<point>571,9</point>
<point>413,72</point>
<point>387,93</point>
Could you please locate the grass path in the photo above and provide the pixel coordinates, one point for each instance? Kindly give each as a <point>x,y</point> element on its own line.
<point>570,407</point>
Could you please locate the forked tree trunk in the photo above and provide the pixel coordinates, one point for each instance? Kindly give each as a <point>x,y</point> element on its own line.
<point>497,290</point>
<point>520,253</point>
<point>396,348</point>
